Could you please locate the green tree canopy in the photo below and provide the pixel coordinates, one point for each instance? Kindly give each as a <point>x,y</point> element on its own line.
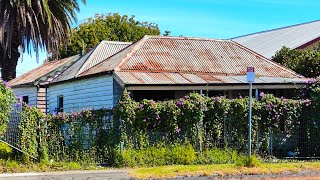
<point>112,27</point>
<point>303,61</point>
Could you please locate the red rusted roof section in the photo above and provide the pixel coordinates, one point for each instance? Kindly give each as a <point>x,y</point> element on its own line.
<point>154,78</point>
<point>190,56</point>
<point>37,73</point>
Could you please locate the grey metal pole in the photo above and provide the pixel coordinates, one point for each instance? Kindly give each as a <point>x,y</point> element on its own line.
<point>249,120</point>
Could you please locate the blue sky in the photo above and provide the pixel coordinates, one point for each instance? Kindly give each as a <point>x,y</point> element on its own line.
<point>201,18</point>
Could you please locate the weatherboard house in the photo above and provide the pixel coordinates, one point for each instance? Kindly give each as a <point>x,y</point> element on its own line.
<point>155,67</point>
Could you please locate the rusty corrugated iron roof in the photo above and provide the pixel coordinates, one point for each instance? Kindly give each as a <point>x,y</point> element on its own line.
<point>41,72</point>
<point>161,78</point>
<point>188,60</point>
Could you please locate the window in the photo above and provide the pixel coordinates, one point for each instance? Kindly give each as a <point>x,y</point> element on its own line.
<point>60,104</point>
<point>25,99</point>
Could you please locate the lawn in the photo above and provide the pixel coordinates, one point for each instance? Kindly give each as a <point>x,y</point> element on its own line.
<point>222,170</point>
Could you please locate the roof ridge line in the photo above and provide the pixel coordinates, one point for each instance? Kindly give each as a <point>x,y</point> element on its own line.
<point>89,59</point>
<point>136,46</point>
<point>275,29</point>
<point>116,42</point>
<point>184,37</point>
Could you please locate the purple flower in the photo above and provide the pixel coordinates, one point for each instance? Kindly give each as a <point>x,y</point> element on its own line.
<point>141,106</point>
<point>310,81</point>
<point>20,99</point>
<point>261,94</point>
<point>178,130</point>
<point>179,103</point>
<point>307,102</point>
<point>269,106</point>
<point>151,102</point>
<point>240,97</point>
<point>6,84</point>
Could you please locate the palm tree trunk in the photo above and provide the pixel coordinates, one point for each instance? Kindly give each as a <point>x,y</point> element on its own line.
<point>9,63</point>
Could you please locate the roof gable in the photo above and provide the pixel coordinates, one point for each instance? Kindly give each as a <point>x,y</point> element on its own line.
<point>102,51</point>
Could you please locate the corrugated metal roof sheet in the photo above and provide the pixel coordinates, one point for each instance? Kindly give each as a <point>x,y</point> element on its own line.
<point>160,78</point>
<point>101,52</point>
<point>190,55</point>
<point>268,42</point>
<point>42,71</point>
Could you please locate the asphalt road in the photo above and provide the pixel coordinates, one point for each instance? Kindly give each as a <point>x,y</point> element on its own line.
<point>69,175</point>
<point>123,174</point>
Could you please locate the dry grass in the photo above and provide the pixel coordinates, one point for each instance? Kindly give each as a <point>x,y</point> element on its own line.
<point>222,170</point>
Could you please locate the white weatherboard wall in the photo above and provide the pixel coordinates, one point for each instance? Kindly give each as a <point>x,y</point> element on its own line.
<point>27,91</point>
<point>95,93</point>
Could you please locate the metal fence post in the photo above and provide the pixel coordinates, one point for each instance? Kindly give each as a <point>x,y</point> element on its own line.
<point>120,130</point>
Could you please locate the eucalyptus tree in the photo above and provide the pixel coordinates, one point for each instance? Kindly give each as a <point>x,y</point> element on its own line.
<point>33,25</point>
<point>112,27</point>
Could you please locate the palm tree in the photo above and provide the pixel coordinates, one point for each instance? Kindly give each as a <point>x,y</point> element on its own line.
<point>33,25</point>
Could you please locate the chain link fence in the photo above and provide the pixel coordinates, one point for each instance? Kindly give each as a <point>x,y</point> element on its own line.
<point>92,140</point>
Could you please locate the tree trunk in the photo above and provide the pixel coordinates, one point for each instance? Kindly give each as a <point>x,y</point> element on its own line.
<point>9,63</point>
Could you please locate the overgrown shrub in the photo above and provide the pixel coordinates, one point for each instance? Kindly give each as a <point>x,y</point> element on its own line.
<point>33,134</point>
<point>161,155</point>
<point>244,161</point>
<point>7,98</point>
<point>194,129</point>
<point>207,122</point>
<point>217,156</point>
<point>5,151</point>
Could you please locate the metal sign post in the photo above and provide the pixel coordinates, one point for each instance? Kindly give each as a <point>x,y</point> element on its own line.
<point>250,79</point>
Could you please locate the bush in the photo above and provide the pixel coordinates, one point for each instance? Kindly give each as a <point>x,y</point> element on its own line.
<point>5,151</point>
<point>246,162</point>
<point>217,156</point>
<point>303,61</point>
<point>159,155</point>
<point>7,98</point>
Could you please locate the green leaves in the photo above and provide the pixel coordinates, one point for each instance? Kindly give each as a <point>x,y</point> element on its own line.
<point>305,62</point>
<point>205,121</point>
<point>112,27</point>
<point>7,99</point>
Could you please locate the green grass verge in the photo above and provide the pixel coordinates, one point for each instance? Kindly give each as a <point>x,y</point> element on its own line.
<point>221,169</point>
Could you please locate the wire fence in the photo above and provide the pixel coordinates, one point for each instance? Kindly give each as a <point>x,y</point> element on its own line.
<point>302,143</point>
<point>12,135</point>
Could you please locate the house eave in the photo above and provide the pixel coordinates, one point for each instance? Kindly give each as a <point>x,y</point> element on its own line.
<point>77,78</point>
<point>209,86</point>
